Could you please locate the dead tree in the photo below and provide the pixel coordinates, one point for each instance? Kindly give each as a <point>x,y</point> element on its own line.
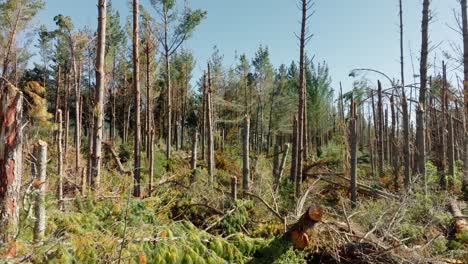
<point>420,117</point>
<point>245,155</point>
<point>98,113</point>
<point>394,143</point>
<point>40,155</point>
<point>136,84</point>
<point>11,160</point>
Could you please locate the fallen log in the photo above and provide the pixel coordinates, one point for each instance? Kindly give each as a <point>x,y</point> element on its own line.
<point>461,225</point>
<point>298,232</point>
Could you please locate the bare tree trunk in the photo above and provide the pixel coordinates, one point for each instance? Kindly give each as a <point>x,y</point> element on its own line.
<point>465,88</point>
<point>99,97</point>
<point>420,120</point>
<point>203,123</point>
<point>209,118</point>
<point>136,83</point>
<point>40,153</point>
<point>11,160</point>
<point>353,154</point>
<point>246,155</point>
<point>60,158</point>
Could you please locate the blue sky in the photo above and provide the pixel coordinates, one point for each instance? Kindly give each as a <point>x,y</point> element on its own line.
<point>347,33</point>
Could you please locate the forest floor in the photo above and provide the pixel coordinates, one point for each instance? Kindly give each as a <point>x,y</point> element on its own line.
<point>187,221</point>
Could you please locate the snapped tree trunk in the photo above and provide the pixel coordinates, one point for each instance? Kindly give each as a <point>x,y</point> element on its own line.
<point>40,154</point>
<point>98,113</point>
<point>451,150</point>
<point>11,160</point>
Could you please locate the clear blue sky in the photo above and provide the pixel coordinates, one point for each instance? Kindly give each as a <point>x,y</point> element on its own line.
<point>347,33</point>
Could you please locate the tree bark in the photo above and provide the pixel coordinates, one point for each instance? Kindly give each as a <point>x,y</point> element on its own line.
<point>293,175</point>
<point>297,233</point>
<point>281,168</point>
<point>11,160</point>
<point>98,113</point>
<point>443,134</point>
<point>40,154</point>
<point>136,84</point>
<point>451,150</point>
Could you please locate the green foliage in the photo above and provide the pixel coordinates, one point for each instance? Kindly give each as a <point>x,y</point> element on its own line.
<point>439,245</point>
<point>411,233</point>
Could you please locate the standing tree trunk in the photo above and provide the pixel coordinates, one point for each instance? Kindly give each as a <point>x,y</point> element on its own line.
<point>394,144</point>
<point>136,84</point>
<point>404,106</point>
<point>209,118</point>
<point>40,153</point>
<point>380,132</point>
<point>98,113</point>
<point>193,163</point>
<point>60,159</point>
<point>168,85</point>
<point>465,88</point>
<point>353,153</point>
<point>11,160</point>
<point>281,168</point>
<point>302,98</point>
<point>451,150</point>
<point>420,119</point>
<point>443,134</point>
<point>151,161</point>
<point>245,155</point>
<point>293,175</point>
